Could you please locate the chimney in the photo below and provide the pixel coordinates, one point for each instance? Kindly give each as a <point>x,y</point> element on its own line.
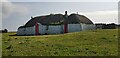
<point>31,17</point>
<point>65,12</point>
<point>66,15</point>
<point>77,12</point>
<point>65,23</point>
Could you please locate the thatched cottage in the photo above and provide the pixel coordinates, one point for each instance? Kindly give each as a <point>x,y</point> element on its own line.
<point>56,24</point>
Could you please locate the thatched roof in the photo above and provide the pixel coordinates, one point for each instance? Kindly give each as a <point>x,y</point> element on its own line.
<point>58,19</point>
<point>44,20</point>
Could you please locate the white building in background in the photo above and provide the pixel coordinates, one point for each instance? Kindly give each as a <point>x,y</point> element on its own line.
<point>56,24</point>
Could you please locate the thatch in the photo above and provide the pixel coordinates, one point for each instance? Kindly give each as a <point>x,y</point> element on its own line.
<point>58,19</point>
<point>73,19</point>
<point>85,20</point>
<point>46,20</point>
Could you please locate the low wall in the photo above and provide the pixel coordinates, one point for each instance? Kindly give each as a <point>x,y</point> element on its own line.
<point>88,26</point>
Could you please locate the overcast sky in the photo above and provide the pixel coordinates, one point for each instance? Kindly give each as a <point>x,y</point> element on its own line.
<point>15,13</point>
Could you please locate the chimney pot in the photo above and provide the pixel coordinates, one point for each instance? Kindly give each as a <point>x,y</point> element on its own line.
<point>65,12</point>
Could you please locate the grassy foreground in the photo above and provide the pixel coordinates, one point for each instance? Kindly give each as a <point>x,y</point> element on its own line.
<point>83,43</point>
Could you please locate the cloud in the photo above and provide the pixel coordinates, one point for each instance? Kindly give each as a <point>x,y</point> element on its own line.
<point>112,12</point>
<point>103,16</point>
<point>9,8</point>
<point>0,21</point>
<point>0,15</point>
<point>65,0</point>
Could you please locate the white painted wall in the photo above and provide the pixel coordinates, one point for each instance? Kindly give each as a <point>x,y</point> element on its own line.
<point>26,31</point>
<point>74,27</point>
<point>52,29</point>
<point>30,30</point>
<point>21,31</point>
<point>57,29</point>
<point>87,26</point>
<point>42,29</point>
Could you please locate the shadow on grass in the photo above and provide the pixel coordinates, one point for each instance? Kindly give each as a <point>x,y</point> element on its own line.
<point>33,35</point>
<point>24,35</point>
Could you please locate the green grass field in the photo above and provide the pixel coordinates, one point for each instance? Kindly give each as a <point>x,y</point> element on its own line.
<point>83,43</point>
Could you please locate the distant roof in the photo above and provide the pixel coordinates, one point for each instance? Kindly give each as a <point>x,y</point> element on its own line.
<point>58,18</point>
